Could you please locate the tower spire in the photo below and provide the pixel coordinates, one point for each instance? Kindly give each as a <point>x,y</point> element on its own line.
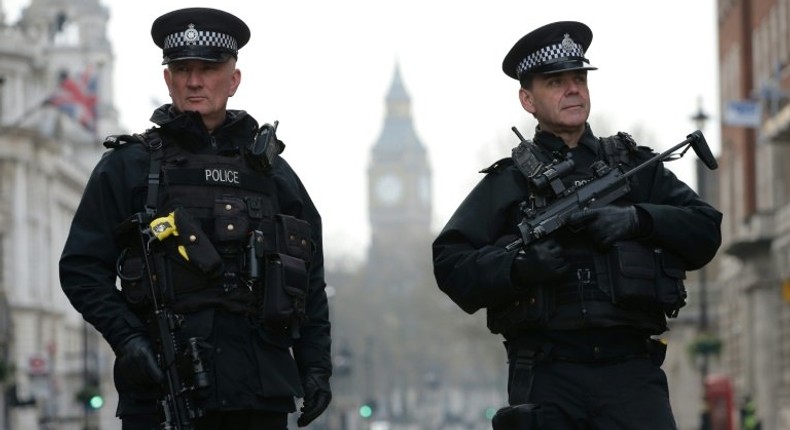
<point>398,133</point>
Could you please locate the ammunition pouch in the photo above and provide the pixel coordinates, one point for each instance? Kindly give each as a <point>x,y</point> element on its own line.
<point>646,278</point>
<point>285,291</point>
<point>286,280</point>
<point>276,265</point>
<point>293,237</point>
<point>533,308</point>
<point>231,220</point>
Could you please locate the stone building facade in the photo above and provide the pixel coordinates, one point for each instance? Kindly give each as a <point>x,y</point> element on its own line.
<point>754,195</point>
<point>47,148</point>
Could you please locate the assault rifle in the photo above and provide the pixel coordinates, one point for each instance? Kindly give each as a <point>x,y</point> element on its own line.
<point>608,184</point>
<point>177,407</point>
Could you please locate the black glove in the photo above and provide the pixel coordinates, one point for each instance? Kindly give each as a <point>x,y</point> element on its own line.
<point>609,224</point>
<point>137,362</point>
<point>521,416</point>
<point>541,261</point>
<point>317,396</point>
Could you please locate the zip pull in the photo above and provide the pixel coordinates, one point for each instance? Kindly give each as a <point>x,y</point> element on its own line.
<point>583,276</point>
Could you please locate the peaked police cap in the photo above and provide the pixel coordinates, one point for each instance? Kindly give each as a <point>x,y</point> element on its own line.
<point>553,48</point>
<point>199,34</point>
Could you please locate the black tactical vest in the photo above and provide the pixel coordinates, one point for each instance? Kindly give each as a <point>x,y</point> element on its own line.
<point>591,294</point>
<point>234,249</point>
<point>226,201</point>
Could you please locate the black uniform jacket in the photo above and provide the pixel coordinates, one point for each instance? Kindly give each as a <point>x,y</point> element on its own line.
<point>261,375</point>
<point>472,266</point>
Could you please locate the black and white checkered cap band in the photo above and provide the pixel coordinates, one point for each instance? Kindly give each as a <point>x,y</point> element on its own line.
<point>551,53</point>
<point>201,38</point>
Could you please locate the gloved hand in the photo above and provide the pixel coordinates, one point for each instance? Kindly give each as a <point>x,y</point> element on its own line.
<point>541,261</point>
<point>521,416</point>
<point>317,396</point>
<point>609,224</point>
<point>137,362</point>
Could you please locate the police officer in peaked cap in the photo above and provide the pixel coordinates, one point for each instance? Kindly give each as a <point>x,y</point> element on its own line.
<point>581,309</point>
<point>221,320</point>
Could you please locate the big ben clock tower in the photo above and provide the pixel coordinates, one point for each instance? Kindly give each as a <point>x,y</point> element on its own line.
<point>399,191</point>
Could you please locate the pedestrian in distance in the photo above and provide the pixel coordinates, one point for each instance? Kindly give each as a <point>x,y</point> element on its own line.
<point>580,298</point>
<point>220,320</point>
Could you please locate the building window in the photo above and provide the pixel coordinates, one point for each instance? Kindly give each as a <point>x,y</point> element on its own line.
<point>65,32</point>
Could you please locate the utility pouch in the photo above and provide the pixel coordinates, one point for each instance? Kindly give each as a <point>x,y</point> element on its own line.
<point>533,309</point>
<point>285,291</point>
<point>134,284</point>
<point>643,277</point>
<point>518,417</point>
<point>293,237</point>
<point>670,289</point>
<point>231,222</point>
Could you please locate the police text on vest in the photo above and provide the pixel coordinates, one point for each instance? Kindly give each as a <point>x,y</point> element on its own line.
<point>222,176</point>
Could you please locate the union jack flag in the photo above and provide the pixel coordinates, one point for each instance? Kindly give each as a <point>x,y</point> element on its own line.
<point>76,97</point>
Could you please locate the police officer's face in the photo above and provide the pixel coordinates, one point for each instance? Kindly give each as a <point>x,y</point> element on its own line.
<point>559,101</point>
<point>203,86</point>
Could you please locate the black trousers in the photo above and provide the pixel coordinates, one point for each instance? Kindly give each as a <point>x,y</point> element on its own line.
<point>217,420</point>
<point>628,394</point>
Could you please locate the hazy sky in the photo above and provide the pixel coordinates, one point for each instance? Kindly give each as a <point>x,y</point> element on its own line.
<point>323,68</point>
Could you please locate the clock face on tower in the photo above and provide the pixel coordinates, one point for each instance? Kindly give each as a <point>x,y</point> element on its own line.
<point>388,189</point>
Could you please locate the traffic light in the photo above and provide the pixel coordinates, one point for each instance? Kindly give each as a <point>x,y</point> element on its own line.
<point>96,401</point>
<point>367,409</point>
<point>91,397</point>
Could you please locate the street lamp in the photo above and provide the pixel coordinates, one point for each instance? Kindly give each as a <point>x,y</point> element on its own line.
<point>705,344</point>
<point>700,118</point>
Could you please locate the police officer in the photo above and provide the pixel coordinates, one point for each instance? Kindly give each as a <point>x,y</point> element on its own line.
<point>231,242</point>
<point>579,309</point>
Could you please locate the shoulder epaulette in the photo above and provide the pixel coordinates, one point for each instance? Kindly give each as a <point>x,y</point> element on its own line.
<point>627,140</point>
<point>619,148</point>
<point>116,141</point>
<point>150,138</point>
<point>498,165</point>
